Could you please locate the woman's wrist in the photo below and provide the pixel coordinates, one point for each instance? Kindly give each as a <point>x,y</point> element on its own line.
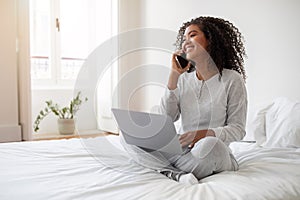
<point>173,80</point>
<point>210,133</point>
<point>204,133</point>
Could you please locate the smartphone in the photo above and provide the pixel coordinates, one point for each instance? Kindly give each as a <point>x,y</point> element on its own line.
<point>183,62</point>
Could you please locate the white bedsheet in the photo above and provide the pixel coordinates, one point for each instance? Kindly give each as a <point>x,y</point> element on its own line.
<point>97,168</point>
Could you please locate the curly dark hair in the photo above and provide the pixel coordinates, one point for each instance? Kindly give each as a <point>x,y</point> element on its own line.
<point>225,42</point>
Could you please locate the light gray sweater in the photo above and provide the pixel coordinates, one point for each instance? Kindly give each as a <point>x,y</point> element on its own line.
<point>216,104</point>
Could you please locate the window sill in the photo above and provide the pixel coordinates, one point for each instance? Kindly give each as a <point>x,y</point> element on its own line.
<point>52,87</point>
<point>82,134</point>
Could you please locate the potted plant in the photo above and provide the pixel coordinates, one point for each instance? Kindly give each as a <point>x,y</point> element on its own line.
<point>66,122</point>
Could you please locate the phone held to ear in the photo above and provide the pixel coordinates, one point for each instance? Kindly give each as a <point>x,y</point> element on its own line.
<point>183,62</point>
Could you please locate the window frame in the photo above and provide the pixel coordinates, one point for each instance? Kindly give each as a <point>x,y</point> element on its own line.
<point>55,81</point>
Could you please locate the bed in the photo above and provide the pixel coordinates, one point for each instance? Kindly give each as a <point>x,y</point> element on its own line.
<point>99,168</point>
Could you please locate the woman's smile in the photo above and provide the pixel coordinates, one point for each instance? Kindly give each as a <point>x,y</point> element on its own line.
<point>194,41</point>
<point>188,48</point>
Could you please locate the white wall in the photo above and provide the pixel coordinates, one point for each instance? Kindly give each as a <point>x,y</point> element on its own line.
<point>9,122</point>
<point>271,30</point>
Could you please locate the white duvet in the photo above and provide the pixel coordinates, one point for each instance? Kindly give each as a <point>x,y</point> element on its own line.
<point>99,169</point>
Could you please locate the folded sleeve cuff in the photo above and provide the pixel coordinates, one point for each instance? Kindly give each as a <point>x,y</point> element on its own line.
<point>219,133</point>
<point>172,94</point>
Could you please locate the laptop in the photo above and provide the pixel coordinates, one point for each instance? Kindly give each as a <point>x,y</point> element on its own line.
<point>153,132</point>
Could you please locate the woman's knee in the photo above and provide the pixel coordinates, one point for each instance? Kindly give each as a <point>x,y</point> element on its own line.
<point>209,146</point>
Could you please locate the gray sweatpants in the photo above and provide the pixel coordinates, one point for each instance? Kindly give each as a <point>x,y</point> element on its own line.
<point>209,155</point>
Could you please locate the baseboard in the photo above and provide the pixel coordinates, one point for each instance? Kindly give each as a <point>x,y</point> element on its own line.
<point>10,133</point>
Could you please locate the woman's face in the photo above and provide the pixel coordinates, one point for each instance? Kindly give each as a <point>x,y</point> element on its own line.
<point>194,42</point>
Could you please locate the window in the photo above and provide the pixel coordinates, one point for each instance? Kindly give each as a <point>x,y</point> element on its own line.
<point>62,35</point>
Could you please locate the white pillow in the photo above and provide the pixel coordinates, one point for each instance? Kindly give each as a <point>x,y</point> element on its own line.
<point>257,125</point>
<point>282,124</point>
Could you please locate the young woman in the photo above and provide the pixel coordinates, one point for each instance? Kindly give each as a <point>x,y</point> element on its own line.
<point>211,101</point>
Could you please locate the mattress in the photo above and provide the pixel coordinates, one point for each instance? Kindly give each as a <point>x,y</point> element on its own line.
<point>98,168</point>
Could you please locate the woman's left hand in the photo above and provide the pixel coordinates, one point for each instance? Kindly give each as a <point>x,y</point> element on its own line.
<point>188,138</point>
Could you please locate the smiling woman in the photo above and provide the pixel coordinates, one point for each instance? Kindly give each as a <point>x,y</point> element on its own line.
<point>219,38</point>
<point>210,101</point>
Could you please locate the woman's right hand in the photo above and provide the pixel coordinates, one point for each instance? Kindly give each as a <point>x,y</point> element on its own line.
<point>176,71</point>
<point>176,66</point>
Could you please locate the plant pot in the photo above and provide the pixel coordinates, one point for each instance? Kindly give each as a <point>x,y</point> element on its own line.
<point>66,126</point>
